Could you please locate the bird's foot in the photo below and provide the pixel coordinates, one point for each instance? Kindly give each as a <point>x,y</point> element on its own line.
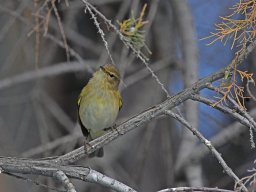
<point>87,147</point>
<point>114,128</point>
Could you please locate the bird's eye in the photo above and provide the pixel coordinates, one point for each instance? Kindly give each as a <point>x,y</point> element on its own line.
<point>111,75</point>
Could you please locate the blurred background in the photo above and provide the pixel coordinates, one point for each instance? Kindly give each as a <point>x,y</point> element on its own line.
<point>39,88</point>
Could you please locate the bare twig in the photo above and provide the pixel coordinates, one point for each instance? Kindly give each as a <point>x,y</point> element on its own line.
<point>11,21</point>
<point>157,66</point>
<point>252,138</point>
<point>44,72</point>
<point>57,112</point>
<point>226,135</point>
<point>222,108</point>
<point>34,182</point>
<point>49,36</point>
<point>71,51</point>
<point>52,145</point>
<point>195,189</point>
<point>62,177</point>
<point>37,36</point>
<point>99,30</point>
<point>248,89</point>
<point>111,39</point>
<point>208,144</point>
<point>71,67</point>
<point>61,29</point>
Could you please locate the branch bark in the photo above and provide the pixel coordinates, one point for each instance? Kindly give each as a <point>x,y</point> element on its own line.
<point>37,167</point>
<point>61,176</point>
<point>190,189</point>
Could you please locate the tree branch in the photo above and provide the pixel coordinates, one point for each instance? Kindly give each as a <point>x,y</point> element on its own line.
<point>223,109</point>
<point>34,182</point>
<point>61,176</point>
<point>44,72</point>
<point>227,134</point>
<point>44,168</point>
<point>208,144</point>
<point>249,91</point>
<point>191,189</point>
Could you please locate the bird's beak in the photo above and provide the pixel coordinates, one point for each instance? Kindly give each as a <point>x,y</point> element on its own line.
<point>103,69</point>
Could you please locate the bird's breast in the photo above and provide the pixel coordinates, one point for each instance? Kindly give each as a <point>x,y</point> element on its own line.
<point>99,111</point>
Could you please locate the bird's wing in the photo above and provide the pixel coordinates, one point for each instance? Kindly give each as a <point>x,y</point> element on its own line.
<point>85,131</point>
<point>120,101</point>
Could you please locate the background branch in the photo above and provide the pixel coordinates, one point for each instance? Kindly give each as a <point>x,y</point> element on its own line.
<point>226,168</point>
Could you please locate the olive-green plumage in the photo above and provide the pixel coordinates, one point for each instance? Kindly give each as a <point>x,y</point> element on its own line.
<point>99,102</point>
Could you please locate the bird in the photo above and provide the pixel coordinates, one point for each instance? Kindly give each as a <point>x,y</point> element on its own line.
<point>99,104</point>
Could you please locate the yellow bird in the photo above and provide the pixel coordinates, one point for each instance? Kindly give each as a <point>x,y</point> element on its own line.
<point>99,103</point>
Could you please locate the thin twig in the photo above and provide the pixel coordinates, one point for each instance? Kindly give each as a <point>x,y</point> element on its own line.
<point>57,112</point>
<point>34,182</point>
<point>99,30</point>
<point>223,109</point>
<point>195,189</point>
<point>61,29</point>
<point>44,72</point>
<point>228,134</point>
<point>49,36</point>
<point>249,91</point>
<point>157,66</point>
<point>208,144</point>
<point>62,177</point>
<point>8,24</point>
<point>71,51</point>
<point>37,36</point>
<point>65,140</point>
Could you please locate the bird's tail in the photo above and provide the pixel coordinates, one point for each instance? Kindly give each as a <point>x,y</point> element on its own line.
<point>97,153</point>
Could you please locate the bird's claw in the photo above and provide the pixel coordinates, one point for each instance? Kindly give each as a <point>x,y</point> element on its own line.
<point>87,147</point>
<point>114,128</point>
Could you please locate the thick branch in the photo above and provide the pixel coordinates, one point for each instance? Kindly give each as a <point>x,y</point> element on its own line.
<point>26,166</point>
